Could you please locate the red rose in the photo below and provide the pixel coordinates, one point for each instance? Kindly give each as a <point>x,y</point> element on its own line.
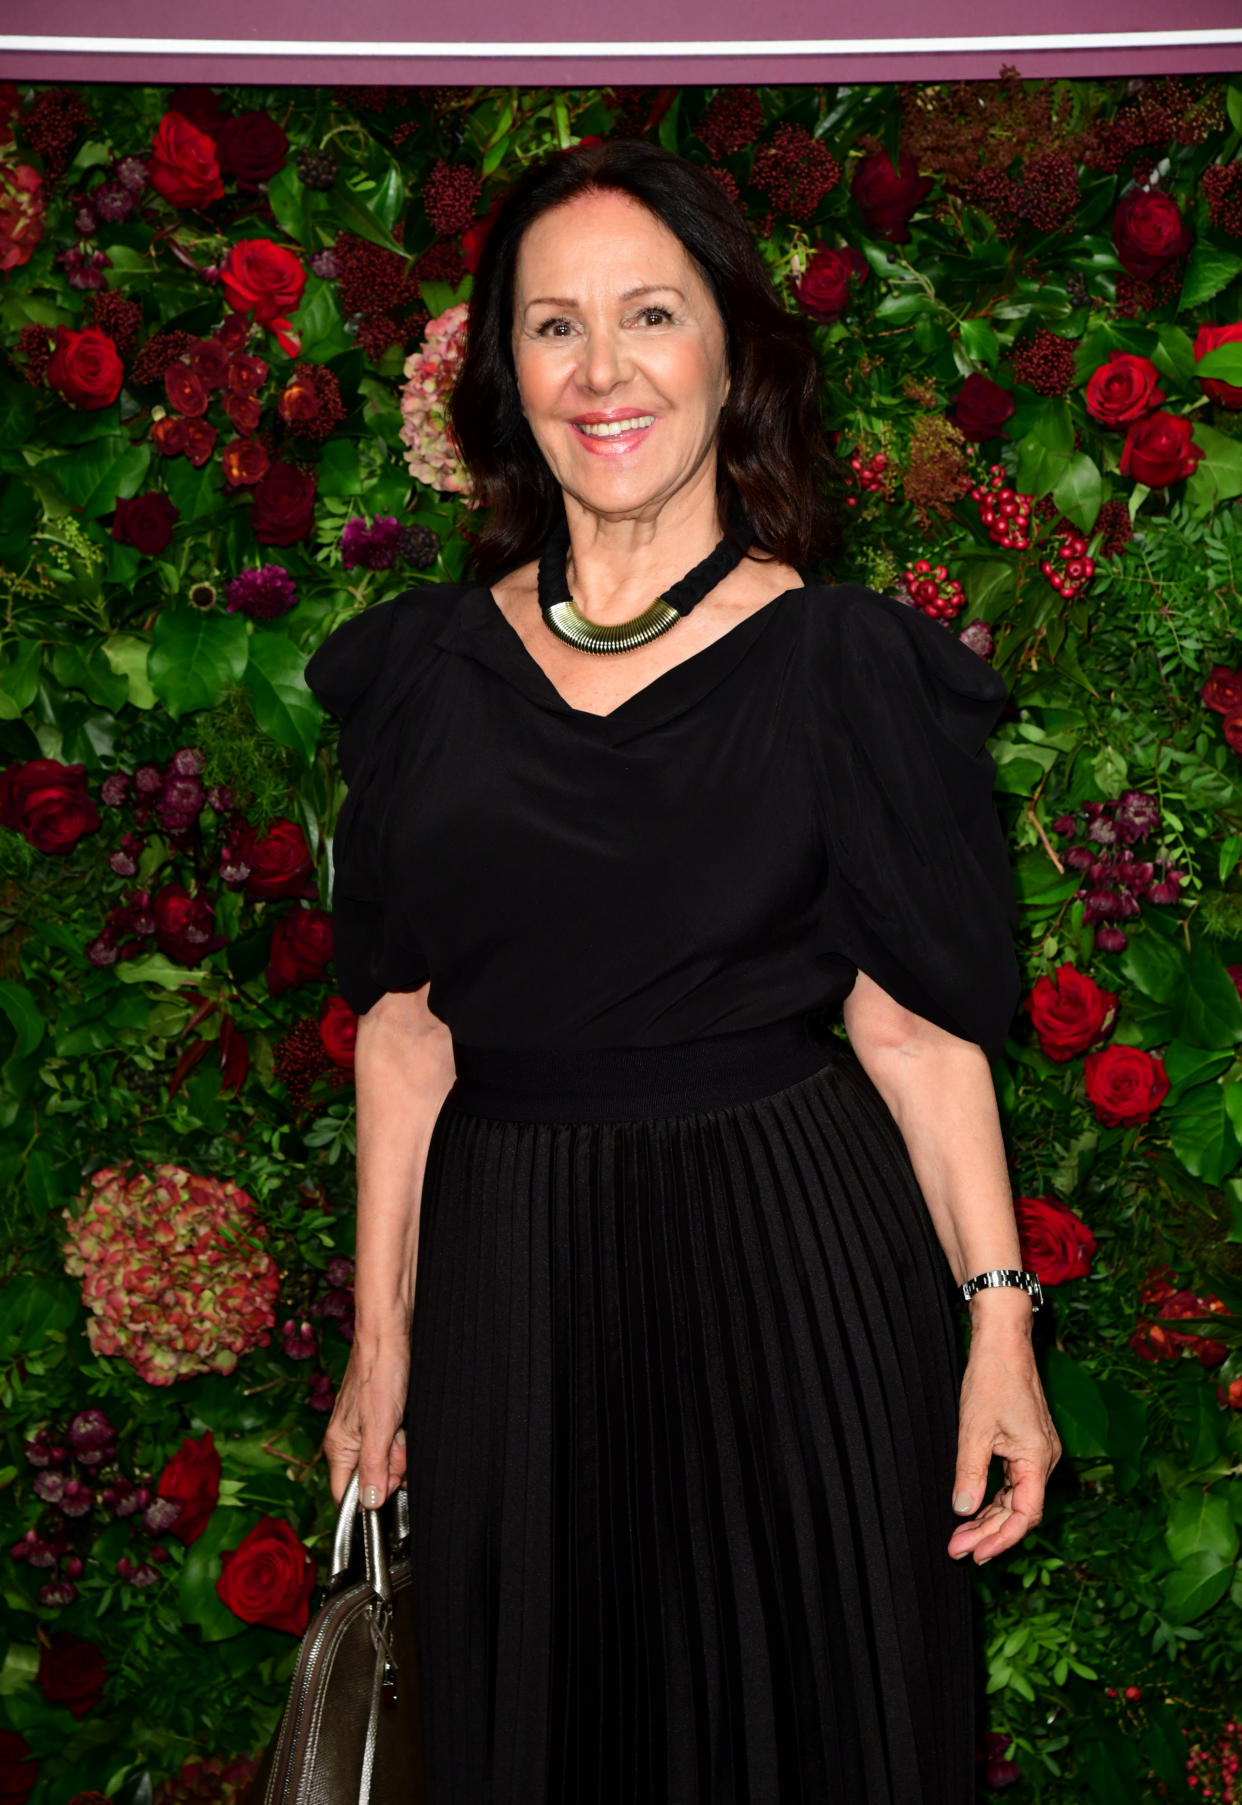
<point>888,195</point>
<point>71,1673</point>
<point>243,412</point>
<point>252,146</point>
<point>280,863</point>
<point>209,360</point>
<point>18,1771</point>
<point>168,436</point>
<point>981,408</point>
<point>1160,450</point>
<point>1070,1012</point>
<point>268,279</point>
<point>146,523</point>
<point>183,925</point>
<point>338,1030</point>
<point>1223,690</point>
<point>47,802</point>
<point>192,1477</point>
<point>245,462</point>
<point>301,949</point>
<point>246,375</point>
<point>1125,1085</point>
<point>21,214</point>
<point>824,288</point>
<point>1149,232</point>
<point>1124,388</point>
<point>1226,394</point>
<point>85,367</point>
<point>284,506</point>
<point>186,392</point>
<point>1232,725</point>
<point>1056,1244</point>
<point>200,441</point>
<point>268,1578</point>
<point>182,166</point>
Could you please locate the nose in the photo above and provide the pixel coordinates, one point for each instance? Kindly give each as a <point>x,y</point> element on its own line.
<point>604,362</point>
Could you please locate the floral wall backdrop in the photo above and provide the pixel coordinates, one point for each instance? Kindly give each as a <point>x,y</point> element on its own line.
<point>229,323</point>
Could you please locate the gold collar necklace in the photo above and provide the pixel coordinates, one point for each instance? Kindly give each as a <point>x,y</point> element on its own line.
<point>566,620</point>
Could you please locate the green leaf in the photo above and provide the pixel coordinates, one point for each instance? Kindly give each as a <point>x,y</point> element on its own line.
<point>127,654</point>
<point>1200,1522</point>
<point>283,706</point>
<point>23,1012</point>
<point>1210,267</point>
<point>1079,492</point>
<point>350,212</point>
<point>338,469</point>
<point>195,493</point>
<point>1174,353</point>
<point>1189,1065</point>
<point>19,679</point>
<point>896,310</point>
<point>1225,363</point>
<point>96,475</point>
<point>1195,1587</point>
<point>319,323</point>
<point>34,1305</point>
<point>194,657</point>
<point>1207,1008</point>
<point>88,670</point>
<point>17,412</point>
<point>1202,1134</point>
<point>1077,1405</point>
<point>1218,474</point>
<point>285,195</point>
<point>1154,964</point>
<point>200,1602</point>
<point>158,968</point>
<point>980,342</point>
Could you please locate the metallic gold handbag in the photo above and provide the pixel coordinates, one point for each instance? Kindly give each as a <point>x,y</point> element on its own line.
<point>351,1730</point>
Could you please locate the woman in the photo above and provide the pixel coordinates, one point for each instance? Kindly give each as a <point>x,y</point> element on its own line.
<point>678,1404</point>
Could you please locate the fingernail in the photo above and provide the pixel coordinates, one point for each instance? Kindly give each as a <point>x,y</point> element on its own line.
<point>372,1498</point>
<point>962,1500</point>
<point>984,1559</point>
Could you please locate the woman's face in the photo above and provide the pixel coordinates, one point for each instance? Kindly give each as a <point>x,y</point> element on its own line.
<point>614,323</point>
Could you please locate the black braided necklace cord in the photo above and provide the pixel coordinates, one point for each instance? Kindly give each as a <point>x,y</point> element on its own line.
<point>557,606</point>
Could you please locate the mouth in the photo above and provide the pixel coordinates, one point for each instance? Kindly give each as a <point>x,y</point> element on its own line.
<point>614,435</point>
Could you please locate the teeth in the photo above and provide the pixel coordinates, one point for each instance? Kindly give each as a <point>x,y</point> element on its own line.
<point>609,429</point>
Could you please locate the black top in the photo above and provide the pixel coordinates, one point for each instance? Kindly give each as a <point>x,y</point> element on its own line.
<point>809,795</point>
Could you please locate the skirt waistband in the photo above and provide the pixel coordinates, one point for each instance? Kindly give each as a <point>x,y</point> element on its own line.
<point>602,1084</point>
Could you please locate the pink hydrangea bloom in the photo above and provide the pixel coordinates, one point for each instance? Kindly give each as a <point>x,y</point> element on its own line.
<point>430,373</point>
<point>172,1271</point>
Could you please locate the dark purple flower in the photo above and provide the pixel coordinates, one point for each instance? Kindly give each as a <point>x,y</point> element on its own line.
<point>113,201</point>
<point>90,1430</point>
<point>180,804</point>
<point>324,265</point>
<point>187,761</point>
<point>131,173</point>
<point>114,789</point>
<point>978,636</point>
<point>85,272</point>
<point>148,780</point>
<point>1137,816</point>
<point>57,1592</point>
<point>372,547</point>
<point>263,594</point>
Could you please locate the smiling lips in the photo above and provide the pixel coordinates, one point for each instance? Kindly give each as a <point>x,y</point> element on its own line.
<point>614,435</point>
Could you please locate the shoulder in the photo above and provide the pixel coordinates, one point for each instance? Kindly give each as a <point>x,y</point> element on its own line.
<point>389,638</point>
<point>876,646</point>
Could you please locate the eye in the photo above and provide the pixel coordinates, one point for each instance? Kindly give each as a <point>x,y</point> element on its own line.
<point>543,332</point>
<point>663,312</point>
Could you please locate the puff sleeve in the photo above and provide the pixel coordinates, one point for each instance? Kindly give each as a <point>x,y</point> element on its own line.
<point>921,894</point>
<point>360,674</point>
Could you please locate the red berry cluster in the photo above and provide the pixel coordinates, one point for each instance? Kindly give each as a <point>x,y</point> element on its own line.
<point>1213,1769</point>
<point>932,589</point>
<point>1046,363</point>
<point>119,317</point>
<point>1005,513</point>
<point>795,171</point>
<point>450,195</point>
<point>870,476</point>
<point>732,121</point>
<point>1222,190</point>
<point>1077,569</point>
<point>52,125</point>
<point>163,349</point>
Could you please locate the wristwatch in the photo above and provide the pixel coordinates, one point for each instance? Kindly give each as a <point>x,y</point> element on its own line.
<point>1025,1281</point>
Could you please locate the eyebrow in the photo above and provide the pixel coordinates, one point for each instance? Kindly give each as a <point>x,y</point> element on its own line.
<point>650,288</point>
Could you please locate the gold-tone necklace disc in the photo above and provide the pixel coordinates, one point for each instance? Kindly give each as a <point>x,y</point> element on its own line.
<point>569,623</point>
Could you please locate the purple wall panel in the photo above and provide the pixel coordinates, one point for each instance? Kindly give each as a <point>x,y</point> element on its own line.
<point>296,41</point>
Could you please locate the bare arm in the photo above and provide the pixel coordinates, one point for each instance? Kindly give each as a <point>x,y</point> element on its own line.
<point>939,1090</point>
<point>403,1070</point>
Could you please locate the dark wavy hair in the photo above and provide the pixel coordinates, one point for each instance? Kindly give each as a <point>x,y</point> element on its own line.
<point>773,457</point>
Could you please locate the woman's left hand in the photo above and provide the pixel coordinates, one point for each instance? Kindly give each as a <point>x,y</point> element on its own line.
<point>1003,1411</point>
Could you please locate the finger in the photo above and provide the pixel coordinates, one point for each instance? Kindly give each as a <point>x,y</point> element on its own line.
<point>341,1464</point>
<point>373,1484</point>
<point>970,1478</point>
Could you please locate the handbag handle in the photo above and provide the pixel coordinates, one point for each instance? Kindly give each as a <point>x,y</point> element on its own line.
<point>376,1553</point>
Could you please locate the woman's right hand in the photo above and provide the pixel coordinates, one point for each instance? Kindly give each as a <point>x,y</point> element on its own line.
<point>366,1427</point>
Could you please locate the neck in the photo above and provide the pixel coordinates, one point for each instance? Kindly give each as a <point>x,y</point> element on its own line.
<point>615,567</point>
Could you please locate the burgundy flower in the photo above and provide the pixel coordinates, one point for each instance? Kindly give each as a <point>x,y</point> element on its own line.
<point>284,506</point>
<point>1123,388</point>
<point>200,441</point>
<point>184,925</point>
<point>182,165</point>
<point>1149,232</point>
<point>981,409</point>
<point>1160,450</point>
<point>301,949</point>
<point>251,146</point>
<point>888,195</point>
<point>146,522</point>
<point>262,594</point>
<point>826,286</point>
<point>47,802</point>
<point>186,392</point>
<point>245,462</point>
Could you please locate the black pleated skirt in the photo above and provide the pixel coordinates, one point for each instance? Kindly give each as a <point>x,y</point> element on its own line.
<point>681,1436</point>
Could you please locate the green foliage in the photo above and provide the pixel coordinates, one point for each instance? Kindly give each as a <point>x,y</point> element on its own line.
<point>1113,1631</point>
